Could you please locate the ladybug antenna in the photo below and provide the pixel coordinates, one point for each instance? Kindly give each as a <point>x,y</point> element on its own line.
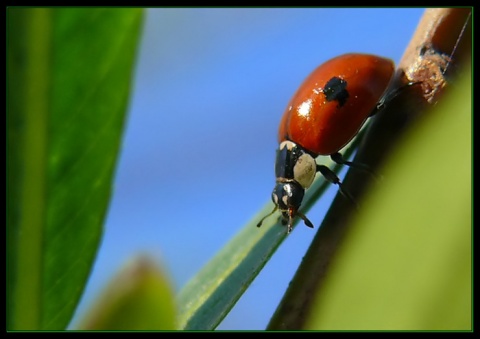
<point>265,217</point>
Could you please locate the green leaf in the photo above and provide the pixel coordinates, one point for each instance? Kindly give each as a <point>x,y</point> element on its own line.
<point>138,298</point>
<point>406,263</point>
<point>68,80</point>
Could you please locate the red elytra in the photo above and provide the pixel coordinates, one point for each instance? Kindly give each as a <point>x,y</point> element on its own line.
<point>334,101</point>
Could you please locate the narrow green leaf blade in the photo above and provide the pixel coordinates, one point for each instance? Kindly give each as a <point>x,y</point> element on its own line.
<point>69,74</point>
<point>210,295</point>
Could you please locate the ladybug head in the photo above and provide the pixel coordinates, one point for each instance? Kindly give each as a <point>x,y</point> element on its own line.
<point>287,197</point>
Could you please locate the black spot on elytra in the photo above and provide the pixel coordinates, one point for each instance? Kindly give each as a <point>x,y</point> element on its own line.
<point>336,89</point>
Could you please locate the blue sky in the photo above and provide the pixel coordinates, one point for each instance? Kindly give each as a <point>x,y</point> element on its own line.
<point>197,156</point>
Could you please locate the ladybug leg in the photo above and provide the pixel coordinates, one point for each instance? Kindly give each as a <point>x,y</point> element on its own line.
<point>307,222</point>
<point>390,96</point>
<point>339,159</point>
<point>333,178</point>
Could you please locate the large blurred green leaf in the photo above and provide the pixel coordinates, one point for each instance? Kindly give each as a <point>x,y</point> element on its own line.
<point>406,262</point>
<point>68,80</point>
<point>138,298</point>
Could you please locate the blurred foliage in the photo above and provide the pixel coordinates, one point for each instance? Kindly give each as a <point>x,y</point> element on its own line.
<point>138,298</point>
<point>406,263</point>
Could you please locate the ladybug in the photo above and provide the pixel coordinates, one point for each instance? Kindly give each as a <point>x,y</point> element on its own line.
<point>325,113</point>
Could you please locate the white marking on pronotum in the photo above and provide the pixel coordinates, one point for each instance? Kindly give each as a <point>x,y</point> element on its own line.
<point>304,170</point>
